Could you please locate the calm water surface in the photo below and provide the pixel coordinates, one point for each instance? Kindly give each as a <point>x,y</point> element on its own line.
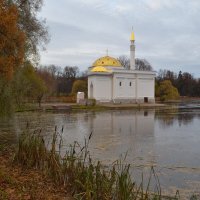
<point>169,140</point>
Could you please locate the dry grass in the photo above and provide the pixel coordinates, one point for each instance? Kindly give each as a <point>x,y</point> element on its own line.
<point>17,182</point>
<point>77,173</point>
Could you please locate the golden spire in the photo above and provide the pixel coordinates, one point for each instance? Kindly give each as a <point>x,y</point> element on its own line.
<point>132,35</point>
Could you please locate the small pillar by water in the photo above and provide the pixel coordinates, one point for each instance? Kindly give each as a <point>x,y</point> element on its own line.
<point>80,97</point>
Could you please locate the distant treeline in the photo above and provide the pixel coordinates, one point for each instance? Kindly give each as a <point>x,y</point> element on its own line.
<point>186,84</point>
<point>60,81</point>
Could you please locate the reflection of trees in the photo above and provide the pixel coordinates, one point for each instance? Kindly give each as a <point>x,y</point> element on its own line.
<point>185,118</point>
<point>166,120</point>
<point>166,117</point>
<point>169,117</point>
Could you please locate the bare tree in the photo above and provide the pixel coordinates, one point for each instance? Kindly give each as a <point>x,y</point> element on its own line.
<point>125,61</point>
<point>53,70</point>
<point>71,72</point>
<point>142,65</point>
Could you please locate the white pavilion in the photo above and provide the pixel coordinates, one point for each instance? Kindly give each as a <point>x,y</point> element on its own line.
<point>110,82</point>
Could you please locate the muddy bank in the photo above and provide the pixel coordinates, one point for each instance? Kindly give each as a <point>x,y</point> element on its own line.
<point>20,183</point>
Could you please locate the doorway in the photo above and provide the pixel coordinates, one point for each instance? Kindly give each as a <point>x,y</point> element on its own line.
<point>146,99</point>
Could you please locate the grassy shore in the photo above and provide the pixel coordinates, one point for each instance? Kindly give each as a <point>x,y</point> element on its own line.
<point>34,169</point>
<point>74,173</point>
<point>22,183</point>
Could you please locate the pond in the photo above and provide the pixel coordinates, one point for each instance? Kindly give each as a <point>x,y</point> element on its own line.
<point>167,139</point>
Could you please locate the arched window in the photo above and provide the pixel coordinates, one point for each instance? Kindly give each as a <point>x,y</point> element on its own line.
<point>120,83</point>
<point>91,90</point>
<point>130,84</point>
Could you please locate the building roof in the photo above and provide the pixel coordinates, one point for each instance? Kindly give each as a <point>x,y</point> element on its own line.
<point>107,61</point>
<point>99,69</point>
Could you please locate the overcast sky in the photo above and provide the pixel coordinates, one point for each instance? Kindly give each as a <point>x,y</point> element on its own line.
<point>167,32</point>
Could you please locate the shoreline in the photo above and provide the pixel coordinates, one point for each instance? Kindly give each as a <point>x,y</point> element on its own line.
<point>61,106</point>
<point>51,107</point>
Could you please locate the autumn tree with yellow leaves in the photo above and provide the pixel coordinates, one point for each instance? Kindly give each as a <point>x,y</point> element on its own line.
<point>166,91</point>
<point>12,40</point>
<point>21,35</point>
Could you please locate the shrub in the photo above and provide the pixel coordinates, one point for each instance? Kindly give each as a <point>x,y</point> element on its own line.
<point>167,91</point>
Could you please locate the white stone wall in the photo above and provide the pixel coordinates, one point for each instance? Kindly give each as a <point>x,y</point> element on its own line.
<point>102,88</point>
<point>145,86</point>
<point>122,87</point>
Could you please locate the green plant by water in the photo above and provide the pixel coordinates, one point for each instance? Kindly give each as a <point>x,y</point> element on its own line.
<point>77,172</point>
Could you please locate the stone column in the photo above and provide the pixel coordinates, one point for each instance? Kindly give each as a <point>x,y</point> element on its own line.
<point>132,55</point>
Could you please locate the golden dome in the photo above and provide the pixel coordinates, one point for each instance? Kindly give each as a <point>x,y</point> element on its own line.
<point>99,69</point>
<point>132,36</point>
<point>107,61</point>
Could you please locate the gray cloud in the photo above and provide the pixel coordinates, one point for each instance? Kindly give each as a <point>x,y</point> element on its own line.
<point>166,31</point>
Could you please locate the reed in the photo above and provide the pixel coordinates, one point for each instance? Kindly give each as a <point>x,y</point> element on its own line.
<point>78,174</point>
<point>31,151</point>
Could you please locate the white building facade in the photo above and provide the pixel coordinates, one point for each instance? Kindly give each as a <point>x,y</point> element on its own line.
<point>109,82</point>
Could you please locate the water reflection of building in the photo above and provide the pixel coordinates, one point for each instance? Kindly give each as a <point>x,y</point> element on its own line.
<point>114,134</point>
<point>119,132</point>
